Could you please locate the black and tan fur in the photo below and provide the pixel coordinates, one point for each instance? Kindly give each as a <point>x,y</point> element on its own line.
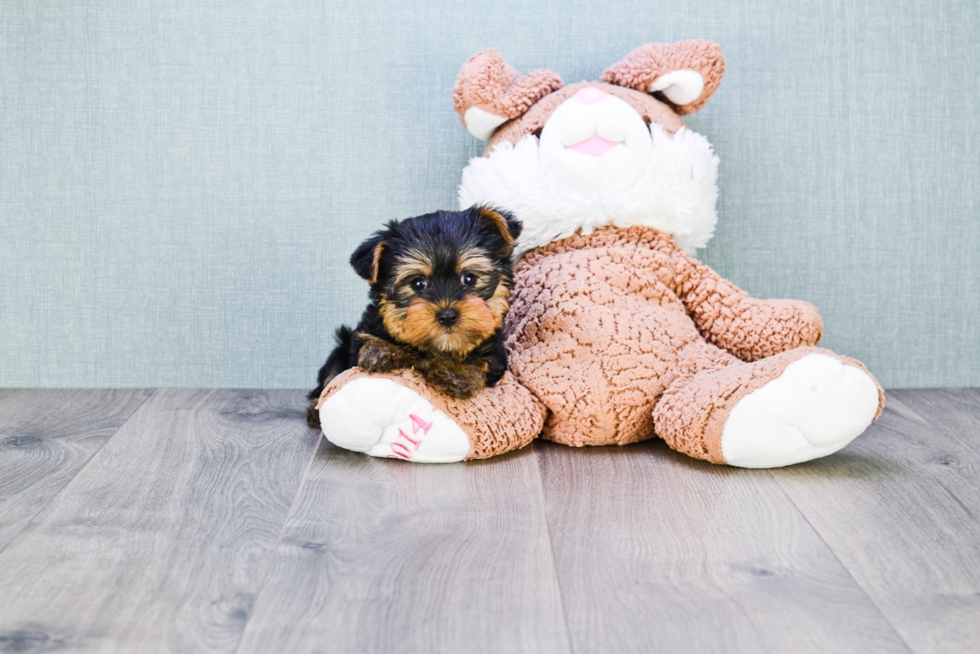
<point>440,285</point>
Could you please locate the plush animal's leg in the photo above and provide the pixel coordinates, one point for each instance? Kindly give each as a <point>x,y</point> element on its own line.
<point>396,415</point>
<point>792,407</point>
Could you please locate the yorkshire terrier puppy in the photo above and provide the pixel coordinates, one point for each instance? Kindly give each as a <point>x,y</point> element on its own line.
<point>439,289</point>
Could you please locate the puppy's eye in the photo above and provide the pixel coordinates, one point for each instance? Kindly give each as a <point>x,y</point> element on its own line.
<point>468,279</point>
<point>419,284</point>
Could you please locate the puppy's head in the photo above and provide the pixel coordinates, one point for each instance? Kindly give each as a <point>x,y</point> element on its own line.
<point>441,280</point>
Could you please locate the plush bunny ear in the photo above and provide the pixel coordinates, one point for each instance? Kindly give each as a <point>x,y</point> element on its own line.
<point>686,73</point>
<point>488,92</point>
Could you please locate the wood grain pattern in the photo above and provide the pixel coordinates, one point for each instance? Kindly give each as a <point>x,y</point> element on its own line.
<point>207,524</point>
<point>660,553</point>
<point>46,436</point>
<point>900,507</point>
<point>385,556</point>
<point>160,543</point>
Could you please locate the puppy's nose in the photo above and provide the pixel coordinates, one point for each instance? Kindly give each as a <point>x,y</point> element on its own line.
<point>590,95</point>
<point>447,317</point>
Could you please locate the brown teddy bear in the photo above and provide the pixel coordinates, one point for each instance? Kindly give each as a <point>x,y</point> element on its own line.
<point>616,333</point>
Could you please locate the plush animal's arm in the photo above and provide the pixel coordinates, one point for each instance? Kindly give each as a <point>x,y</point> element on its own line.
<point>727,316</point>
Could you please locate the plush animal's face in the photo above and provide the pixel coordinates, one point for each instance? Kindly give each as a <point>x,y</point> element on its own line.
<point>595,153</point>
<point>594,143</point>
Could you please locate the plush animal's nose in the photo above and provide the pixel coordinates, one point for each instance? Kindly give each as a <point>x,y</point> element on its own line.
<point>590,95</point>
<point>447,317</point>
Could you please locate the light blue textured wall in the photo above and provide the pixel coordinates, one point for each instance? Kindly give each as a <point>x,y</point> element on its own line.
<point>181,182</point>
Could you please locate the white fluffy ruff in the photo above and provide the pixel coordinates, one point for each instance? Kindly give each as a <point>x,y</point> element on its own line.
<point>676,193</point>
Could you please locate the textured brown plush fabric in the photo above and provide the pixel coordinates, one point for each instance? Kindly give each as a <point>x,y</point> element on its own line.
<point>650,109</point>
<point>487,82</point>
<point>499,419</point>
<point>618,336</point>
<point>622,334</point>
<point>648,62</point>
<point>692,412</point>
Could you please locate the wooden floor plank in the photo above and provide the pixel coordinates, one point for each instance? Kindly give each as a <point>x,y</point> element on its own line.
<point>953,411</point>
<point>657,552</point>
<point>161,537</point>
<point>160,543</point>
<point>900,507</point>
<point>386,556</point>
<point>46,436</point>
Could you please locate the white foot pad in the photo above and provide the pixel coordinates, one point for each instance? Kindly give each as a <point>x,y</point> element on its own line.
<point>383,418</point>
<point>814,408</point>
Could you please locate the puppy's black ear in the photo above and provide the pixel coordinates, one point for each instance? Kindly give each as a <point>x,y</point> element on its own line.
<point>509,227</point>
<point>367,257</point>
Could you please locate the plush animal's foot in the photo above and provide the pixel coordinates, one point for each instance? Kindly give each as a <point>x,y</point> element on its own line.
<point>383,418</point>
<point>816,406</point>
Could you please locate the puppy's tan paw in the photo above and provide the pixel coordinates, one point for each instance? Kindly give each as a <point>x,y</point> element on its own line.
<point>457,380</point>
<point>378,355</point>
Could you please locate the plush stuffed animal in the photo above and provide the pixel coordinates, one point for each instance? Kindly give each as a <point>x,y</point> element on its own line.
<point>616,333</point>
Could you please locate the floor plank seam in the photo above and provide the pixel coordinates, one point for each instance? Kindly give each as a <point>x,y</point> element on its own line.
<point>551,547</point>
<point>77,472</point>
<point>162,543</point>
<point>843,566</point>
<point>275,550</point>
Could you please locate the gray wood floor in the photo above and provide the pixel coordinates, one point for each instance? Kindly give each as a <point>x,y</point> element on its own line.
<point>216,521</point>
